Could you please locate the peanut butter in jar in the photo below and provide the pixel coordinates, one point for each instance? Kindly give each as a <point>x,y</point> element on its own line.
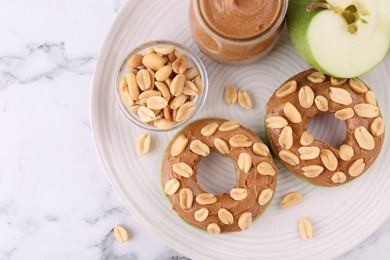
<point>236,31</point>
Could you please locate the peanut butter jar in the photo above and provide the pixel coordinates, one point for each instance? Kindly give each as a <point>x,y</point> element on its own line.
<point>236,31</point>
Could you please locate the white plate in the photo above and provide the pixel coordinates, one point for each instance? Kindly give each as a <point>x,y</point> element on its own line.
<point>342,217</point>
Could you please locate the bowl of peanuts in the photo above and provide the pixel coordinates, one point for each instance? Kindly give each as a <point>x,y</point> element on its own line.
<point>161,85</point>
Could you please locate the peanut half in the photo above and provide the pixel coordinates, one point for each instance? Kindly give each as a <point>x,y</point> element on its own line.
<point>305,229</point>
<point>290,200</point>
<point>121,234</point>
<point>230,94</point>
<point>143,144</point>
<point>245,100</point>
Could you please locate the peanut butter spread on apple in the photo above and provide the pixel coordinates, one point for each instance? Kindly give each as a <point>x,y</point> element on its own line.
<point>228,211</point>
<point>239,19</point>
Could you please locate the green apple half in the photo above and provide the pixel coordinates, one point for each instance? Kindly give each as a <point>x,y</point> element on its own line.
<point>342,38</point>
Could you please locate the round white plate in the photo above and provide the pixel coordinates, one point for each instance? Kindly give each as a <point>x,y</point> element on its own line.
<point>342,217</point>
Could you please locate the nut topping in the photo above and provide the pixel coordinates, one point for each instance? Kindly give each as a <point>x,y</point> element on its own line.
<point>228,126</point>
<point>201,214</point>
<point>213,229</point>
<point>245,220</point>
<point>183,169</point>
<point>306,138</point>
<point>316,77</point>
<point>252,193</point>
<point>209,129</point>
<point>289,157</point>
<point>312,171</point>
<point>265,168</point>
<point>366,110</point>
<point>308,152</point>
<point>199,148</point>
<point>171,186</point>
<point>321,103</point>
<point>358,86</point>
<point>206,198</point>
<point>306,97</point>
<point>364,138</point>
<point>339,177</point>
<point>260,149</point>
<point>225,216</point>
<point>340,95</point>
<point>244,162</point>
<point>344,114</point>
<point>238,194</point>
<point>179,145</point>
<point>337,81</point>
<point>370,98</point>
<point>356,168</point>
<point>329,159</point>
<point>265,196</point>
<point>276,122</point>
<point>286,138</point>
<point>346,152</point>
<point>287,89</point>
<point>186,199</point>
<point>377,126</point>
<point>316,161</point>
<point>292,113</point>
<point>240,140</point>
<point>221,146</point>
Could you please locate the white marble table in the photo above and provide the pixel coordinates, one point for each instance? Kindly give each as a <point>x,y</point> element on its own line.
<point>55,201</point>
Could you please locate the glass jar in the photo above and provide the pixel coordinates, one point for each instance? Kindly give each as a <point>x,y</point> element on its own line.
<point>227,49</point>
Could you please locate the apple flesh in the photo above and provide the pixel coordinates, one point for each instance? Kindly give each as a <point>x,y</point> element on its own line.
<point>342,38</point>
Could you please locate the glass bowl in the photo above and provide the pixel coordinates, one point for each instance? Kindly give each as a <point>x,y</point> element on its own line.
<point>193,61</point>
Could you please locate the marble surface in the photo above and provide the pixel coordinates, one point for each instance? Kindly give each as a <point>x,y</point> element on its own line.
<point>55,201</point>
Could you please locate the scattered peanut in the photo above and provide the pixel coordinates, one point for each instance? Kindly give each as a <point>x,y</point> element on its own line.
<point>121,234</point>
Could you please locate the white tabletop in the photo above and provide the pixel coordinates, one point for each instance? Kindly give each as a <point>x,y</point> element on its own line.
<point>55,200</point>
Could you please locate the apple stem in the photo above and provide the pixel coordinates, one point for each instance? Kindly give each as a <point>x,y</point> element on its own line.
<point>312,6</point>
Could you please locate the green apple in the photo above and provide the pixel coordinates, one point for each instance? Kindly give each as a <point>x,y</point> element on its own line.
<point>342,38</point>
